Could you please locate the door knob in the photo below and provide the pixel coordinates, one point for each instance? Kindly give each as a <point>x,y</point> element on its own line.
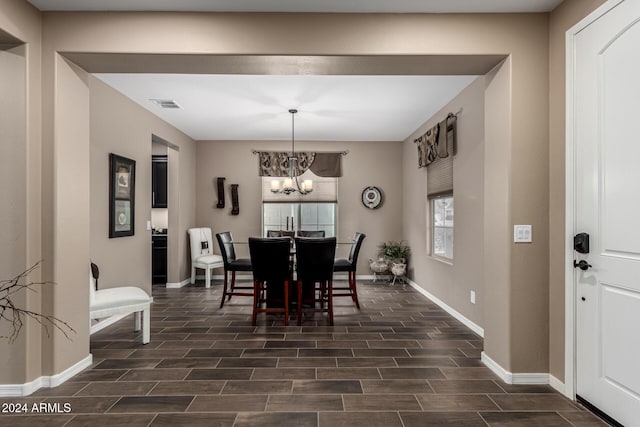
<point>582,264</point>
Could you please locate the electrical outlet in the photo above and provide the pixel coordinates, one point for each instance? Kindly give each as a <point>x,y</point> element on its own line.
<point>472,297</point>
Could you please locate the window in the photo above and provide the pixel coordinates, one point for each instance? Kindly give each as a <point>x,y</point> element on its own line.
<point>300,216</point>
<point>442,227</point>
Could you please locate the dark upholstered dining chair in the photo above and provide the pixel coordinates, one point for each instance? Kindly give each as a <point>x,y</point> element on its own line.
<point>273,233</point>
<point>314,264</point>
<point>310,233</point>
<point>271,269</point>
<point>349,265</point>
<point>232,264</point>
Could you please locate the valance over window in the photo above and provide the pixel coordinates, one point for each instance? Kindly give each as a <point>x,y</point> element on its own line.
<point>276,163</point>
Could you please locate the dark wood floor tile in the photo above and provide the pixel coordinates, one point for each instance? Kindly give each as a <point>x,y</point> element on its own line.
<point>472,352</point>
<point>99,375</point>
<point>284,374</point>
<point>34,420</point>
<point>190,362</point>
<point>438,352</point>
<point>259,337</point>
<point>111,353</point>
<point>117,388</point>
<point>326,387</point>
<point>366,362</point>
<point>381,402</point>
<point>309,336</point>
<point>170,388</point>
<point>219,374</point>
<point>67,389</point>
<point>350,419</point>
<point>84,405</point>
<point>533,402</point>
<point>467,362</point>
<point>396,386</point>
<point>426,362</point>
<point>380,352</point>
<point>194,420</point>
<point>133,344</point>
<point>223,403</point>
<point>258,387</point>
<point>519,419</point>
<point>127,364</point>
<point>459,344</point>
<point>471,373</point>
<point>342,344</point>
<point>214,352</point>
<point>582,419</point>
<point>525,388</point>
<point>152,404</point>
<point>361,337</point>
<point>305,403</point>
<point>155,374</point>
<point>270,352</point>
<point>456,402</point>
<point>393,344</point>
<point>277,419</point>
<point>248,362</point>
<point>411,373</point>
<point>368,329</point>
<point>239,344</point>
<point>465,386</point>
<point>290,344</point>
<point>159,353</point>
<point>307,362</point>
<point>108,420</point>
<point>325,352</point>
<point>347,373</point>
<point>184,344</point>
<point>442,419</point>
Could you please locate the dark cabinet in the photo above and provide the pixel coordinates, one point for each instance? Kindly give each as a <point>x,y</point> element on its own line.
<point>159,259</point>
<point>159,182</point>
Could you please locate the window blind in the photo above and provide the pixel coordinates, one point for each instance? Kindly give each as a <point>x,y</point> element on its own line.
<point>440,171</point>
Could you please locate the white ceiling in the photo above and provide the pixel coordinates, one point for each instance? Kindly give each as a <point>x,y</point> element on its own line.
<point>255,107</point>
<point>370,6</point>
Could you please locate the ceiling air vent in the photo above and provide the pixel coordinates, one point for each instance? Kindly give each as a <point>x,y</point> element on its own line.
<point>166,103</point>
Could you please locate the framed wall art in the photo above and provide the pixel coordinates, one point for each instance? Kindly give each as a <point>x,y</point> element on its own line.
<point>122,179</point>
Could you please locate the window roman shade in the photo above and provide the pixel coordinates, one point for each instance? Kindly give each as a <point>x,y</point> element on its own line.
<point>440,171</point>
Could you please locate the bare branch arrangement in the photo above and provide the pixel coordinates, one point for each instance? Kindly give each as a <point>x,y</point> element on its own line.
<point>16,316</point>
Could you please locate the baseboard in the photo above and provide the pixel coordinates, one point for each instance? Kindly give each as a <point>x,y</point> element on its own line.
<point>185,282</point>
<point>18,390</point>
<point>559,386</point>
<point>468,323</point>
<point>510,377</point>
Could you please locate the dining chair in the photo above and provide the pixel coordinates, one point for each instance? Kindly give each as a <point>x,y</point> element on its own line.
<point>349,265</point>
<point>311,233</point>
<point>271,269</point>
<point>314,265</point>
<point>232,264</point>
<point>273,233</point>
<point>202,255</point>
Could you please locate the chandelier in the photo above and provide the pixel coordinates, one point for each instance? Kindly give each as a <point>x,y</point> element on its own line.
<point>291,184</point>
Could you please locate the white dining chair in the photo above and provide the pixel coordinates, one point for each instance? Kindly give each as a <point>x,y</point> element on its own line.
<point>202,255</point>
<point>110,305</point>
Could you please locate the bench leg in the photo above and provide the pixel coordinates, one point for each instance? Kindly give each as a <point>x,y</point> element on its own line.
<point>136,320</point>
<point>146,325</point>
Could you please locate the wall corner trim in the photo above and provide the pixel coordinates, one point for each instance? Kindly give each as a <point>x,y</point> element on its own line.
<point>185,282</point>
<point>511,378</point>
<point>559,386</point>
<point>17,390</point>
<point>468,323</point>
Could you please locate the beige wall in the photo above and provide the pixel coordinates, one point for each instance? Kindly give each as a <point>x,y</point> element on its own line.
<point>120,126</point>
<point>368,163</point>
<point>23,22</point>
<point>451,282</point>
<point>562,18</point>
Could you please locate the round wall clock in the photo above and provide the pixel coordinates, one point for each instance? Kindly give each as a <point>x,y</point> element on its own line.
<point>372,197</point>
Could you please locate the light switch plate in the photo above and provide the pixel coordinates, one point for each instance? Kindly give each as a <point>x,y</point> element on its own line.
<point>522,233</point>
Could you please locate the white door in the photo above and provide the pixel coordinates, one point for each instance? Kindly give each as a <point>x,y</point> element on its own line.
<point>607,185</point>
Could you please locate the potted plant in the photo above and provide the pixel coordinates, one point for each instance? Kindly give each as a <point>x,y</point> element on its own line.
<point>397,252</point>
